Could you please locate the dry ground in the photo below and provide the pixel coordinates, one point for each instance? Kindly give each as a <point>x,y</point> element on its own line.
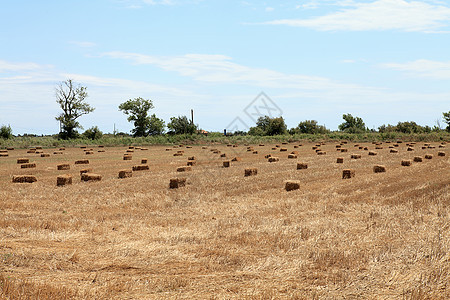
<point>226,236</point>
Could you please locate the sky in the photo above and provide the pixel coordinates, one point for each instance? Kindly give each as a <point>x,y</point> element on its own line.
<point>230,61</point>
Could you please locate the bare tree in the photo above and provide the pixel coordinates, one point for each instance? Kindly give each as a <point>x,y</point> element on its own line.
<point>71,99</point>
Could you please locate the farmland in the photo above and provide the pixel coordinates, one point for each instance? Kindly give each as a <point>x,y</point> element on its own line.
<point>225,235</point>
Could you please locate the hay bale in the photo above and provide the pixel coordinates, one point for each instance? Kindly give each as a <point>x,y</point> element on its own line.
<point>62,180</point>
<point>321,152</point>
<point>101,151</point>
<point>267,156</point>
<point>184,169</point>
<point>273,159</point>
<point>379,169</point>
<point>130,151</point>
<point>302,166</point>
<point>410,149</point>
<point>441,153</point>
<point>178,154</point>
<point>428,156</point>
<point>101,146</point>
<point>39,151</point>
<point>348,173</point>
<point>406,163</point>
<point>378,147</point>
<point>417,159</point>
<point>441,146</point>
<point>294,152</point>
<point>38,147</point>
<point>261,145</point>
<point>58,153</point>
<point>226,164</point>
<point>250,172</point>
<point>372,153</point>
<point>274,148</point>
<point>31,151</point>
<point>191,158</point>
<point>168,149</point>
<point>141,168</point>
<point>144,161</point>
<point>223,155</point>
<point>340,160</point>
<point>292,156</point>
<point>127,157</point>
<point>393,151</point>
<point>24,179</point>
<point>28,166</point>
<point>9,148</point>
<point>277,146</point>
<point>23,160</point>
<point>338,146</point>
<point>283,149</point>
<point>83,171</point>
<point>237,159</point>
<point>125,173</point>
<point>82,162</point>
<point>130,147</point>
<point>344,150</point>
<point>3,151</point>
<point>62,149</point>
<point>295,146</point>
<point>177,183</point>
<point>63,167</point>
<point>291,185</point>
<point>144,149</point>
<point>191,163</point>
<point>366,148</point>
<point>83,147</point>
<point>355,156</point>
<point>204,147</point>
<point>315,147</point>
<point>4,154</point>
<point>235,146</point>
<point>45,155</point>
<point>90,177</point>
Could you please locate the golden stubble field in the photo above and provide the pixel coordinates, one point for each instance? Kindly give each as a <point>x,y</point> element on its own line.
<point>223,235</point>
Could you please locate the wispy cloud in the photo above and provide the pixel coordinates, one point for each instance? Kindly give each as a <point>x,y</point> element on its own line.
<point>423,68</point>
<point>221,69</point>
<point>10,66</point>
<point>83,44</point>
<point>402,15</point>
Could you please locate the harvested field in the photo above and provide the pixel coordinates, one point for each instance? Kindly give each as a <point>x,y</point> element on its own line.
<point>222,235</point>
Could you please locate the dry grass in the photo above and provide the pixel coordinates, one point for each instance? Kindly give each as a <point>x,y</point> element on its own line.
<point>223,235</point>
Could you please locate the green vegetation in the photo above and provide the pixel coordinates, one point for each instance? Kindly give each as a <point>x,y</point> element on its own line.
<point>309,126</point>
<point>71,99</point>
<point>266,126</point>
<point>144,125</point>
<point>352,124</point>
<point>6,132</point>
<point>93,133</point>
<point>181,125</point>
<point>446,116</point>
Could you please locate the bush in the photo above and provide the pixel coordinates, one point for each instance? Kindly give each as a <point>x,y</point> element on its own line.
<point>6,132</point>
<point>269,127</point>
<point>93,133</point>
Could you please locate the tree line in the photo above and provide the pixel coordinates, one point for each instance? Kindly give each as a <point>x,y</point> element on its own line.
<point>72,100</point>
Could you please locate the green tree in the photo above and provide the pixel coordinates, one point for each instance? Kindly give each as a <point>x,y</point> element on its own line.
<point>269,126</point>
<point>137,110</point>
<point>181,125</point>
<point>93,133</point>
<point>352,124</point>
<point>6,132</point>
<point>71,99</point>
<point>311,127</point>
<point>409,127</point>
<point>156,125</point>
<point>447,119</point>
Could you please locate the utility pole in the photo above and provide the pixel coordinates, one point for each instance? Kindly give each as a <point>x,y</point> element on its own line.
<point>192,116</point>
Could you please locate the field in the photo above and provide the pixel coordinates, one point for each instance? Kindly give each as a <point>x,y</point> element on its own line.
<point>224,235</point>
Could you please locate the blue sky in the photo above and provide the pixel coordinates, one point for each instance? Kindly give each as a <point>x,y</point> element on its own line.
<point>382,60</point>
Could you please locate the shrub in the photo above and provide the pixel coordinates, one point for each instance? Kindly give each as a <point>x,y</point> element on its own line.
<point>6,132</point>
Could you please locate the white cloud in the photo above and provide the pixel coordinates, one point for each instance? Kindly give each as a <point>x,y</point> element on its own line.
<point>423,68</point>
<point>220,69</point>
<point>9,66</point>
<point>83,44</point>
<point>418,16</point>
<point>269,9</point>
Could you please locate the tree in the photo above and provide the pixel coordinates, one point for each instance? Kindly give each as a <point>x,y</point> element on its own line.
<point>156,126</point>
<point>6,132</point>
<point>181,125</point>
<point>447,119</point>
<point>93,133</point>
<point>137,110</point>
<point>269,126</point>
<point>71,99</point>
<point>311,127</point>
<point>352,124</point>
